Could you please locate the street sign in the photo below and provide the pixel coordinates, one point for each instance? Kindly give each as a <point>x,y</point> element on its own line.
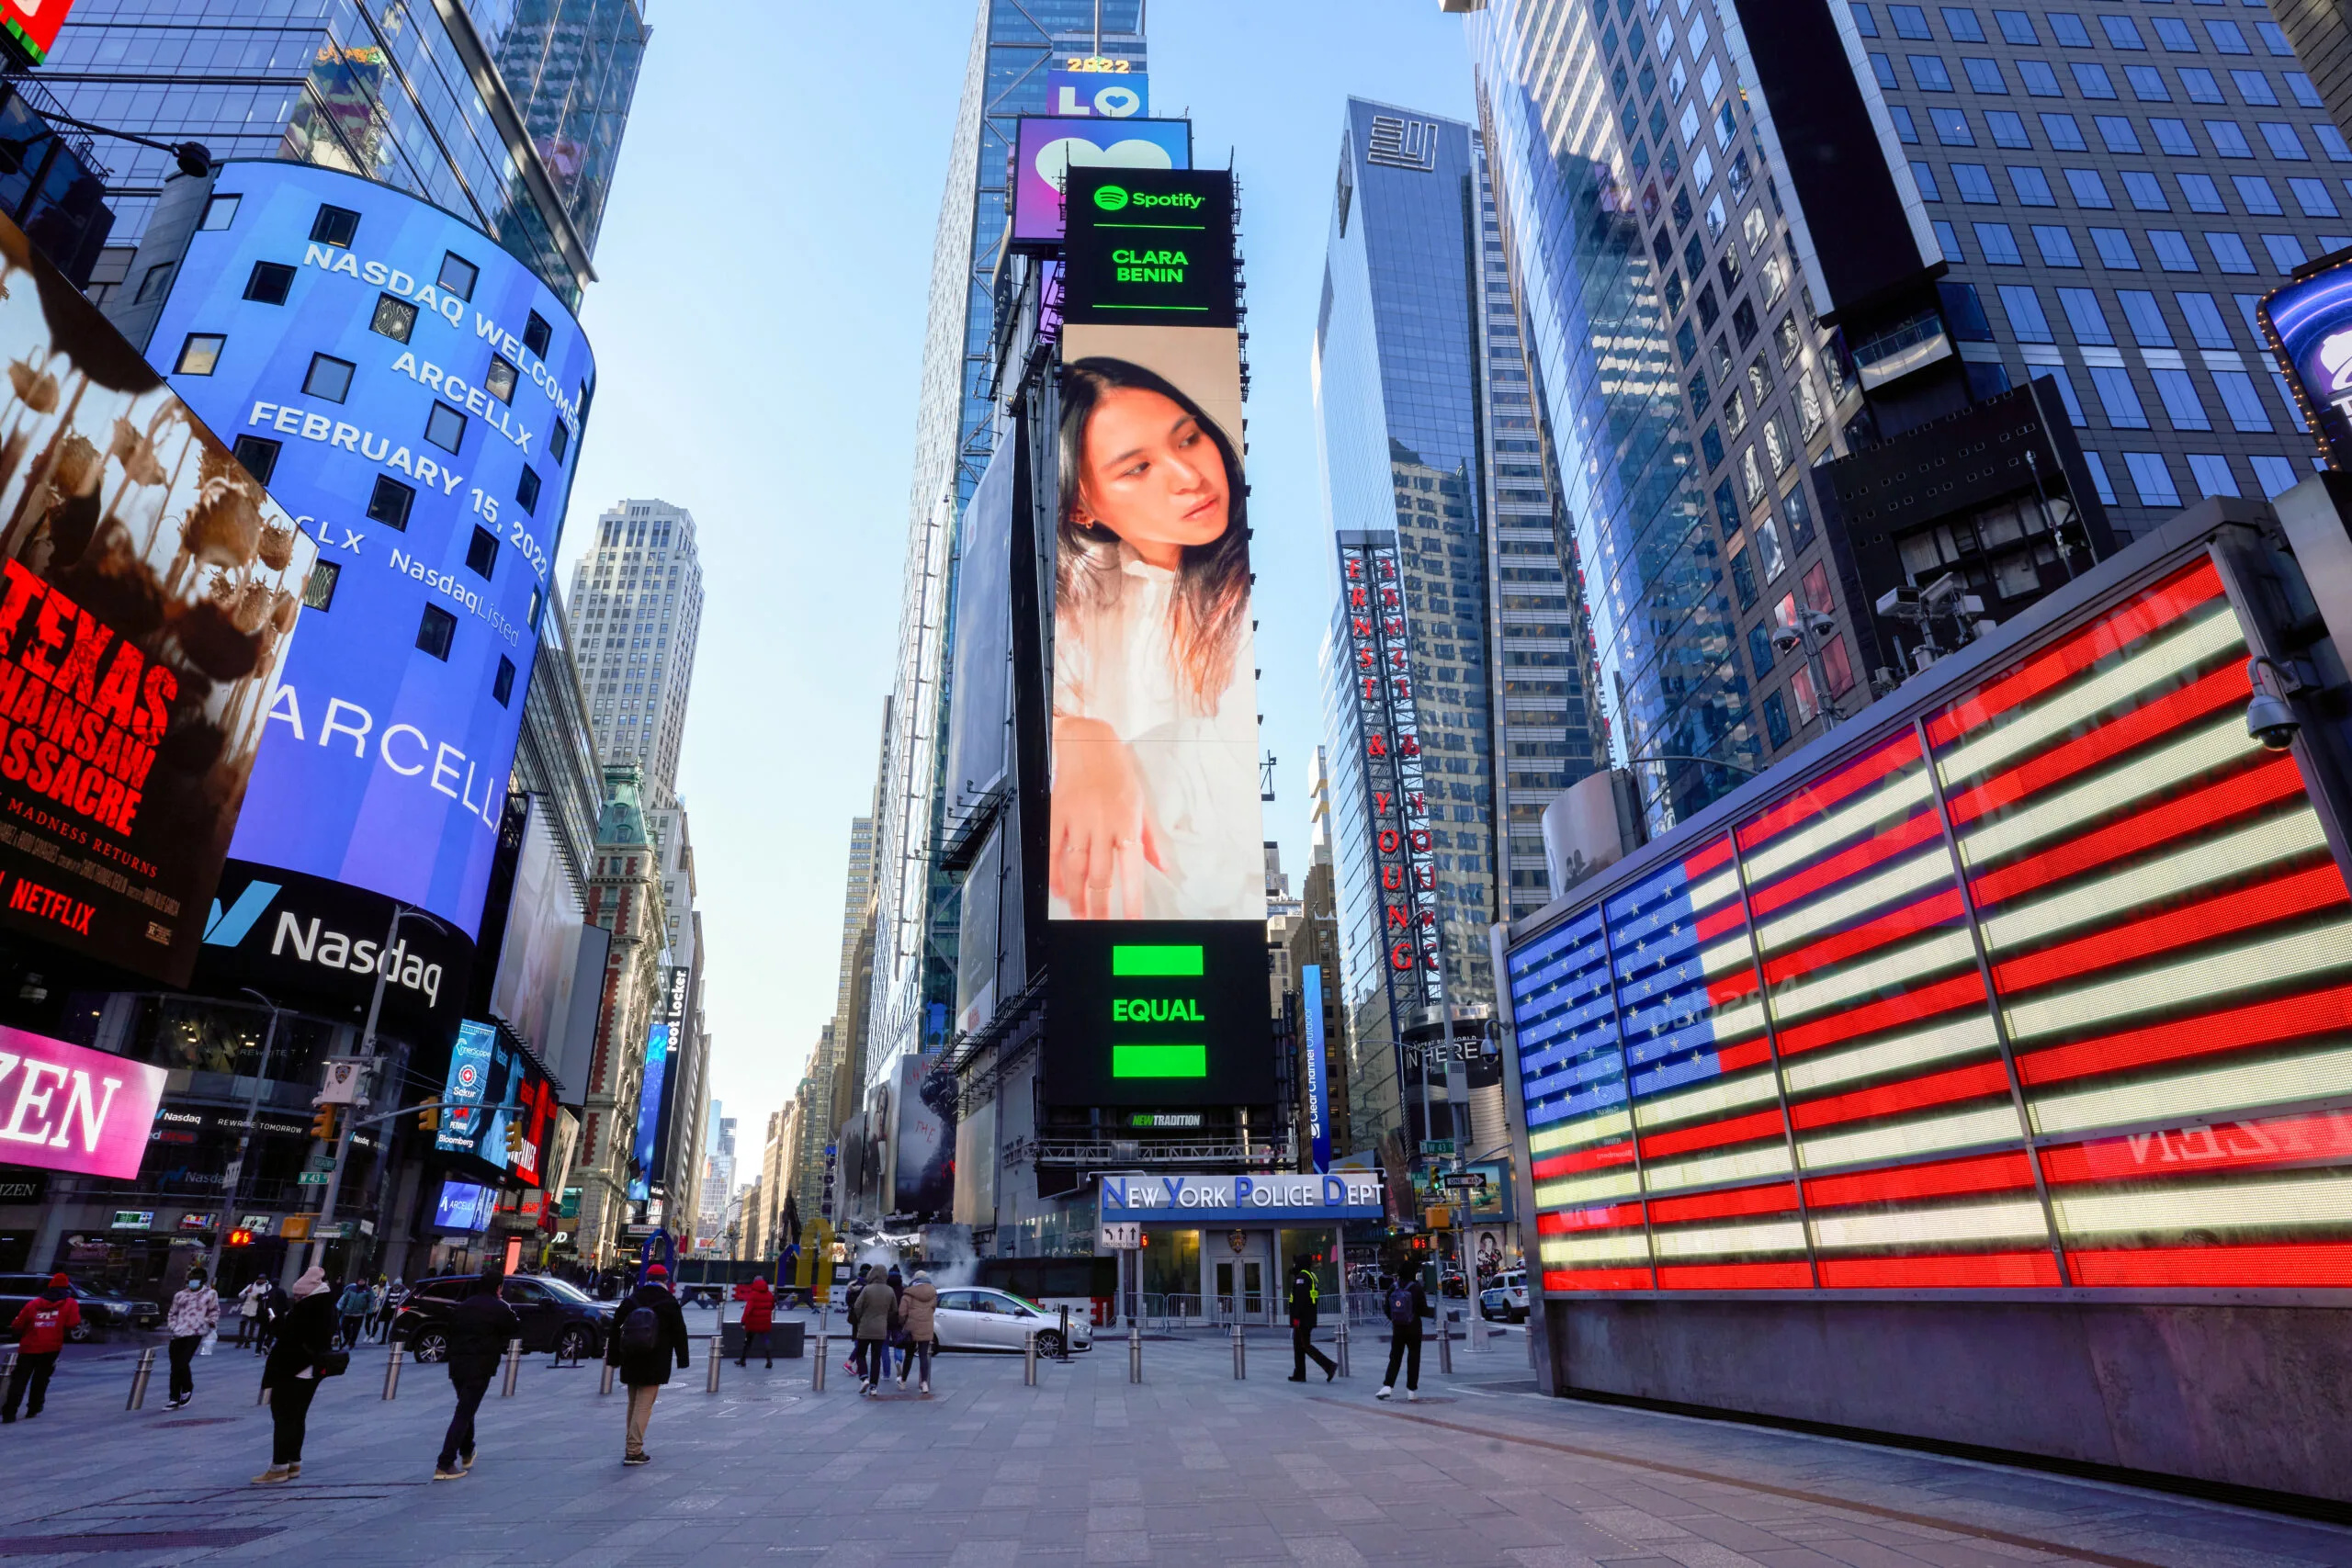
<point>1122,1235</point>
<point>322,1161</point>
<point>1473,1180</point>
<point>312,1178</point>
<point>1437,1145</point>
<point>333,1230</point>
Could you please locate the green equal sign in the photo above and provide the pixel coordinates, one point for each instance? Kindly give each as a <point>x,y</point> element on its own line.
<point>1165,961</point>
<point>1159,1061</point>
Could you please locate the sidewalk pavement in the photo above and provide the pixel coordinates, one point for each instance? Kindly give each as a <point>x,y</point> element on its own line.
<point>1189,1468</point>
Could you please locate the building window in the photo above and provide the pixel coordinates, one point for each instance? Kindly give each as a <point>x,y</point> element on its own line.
<point>395,318</point>
<point>2088,188</point>
<point>2147,84</point>
<point>2121,34</point>
<point>389,502</point>
<point>526,492</point>
<point>219,211</point>
<point>328,377</point>
<point>535,335</point>
<point>2229,252</point>
<point>2009,129</point>
<point>2229,139</point>
<point>1998,244</point>
<point>269,283</point>
<point>2313,196</point>
<point>2091,79</point>
<point>445,427</point>
<point>2028,323</point>
<point>1952,126</point>
<point>560,440</point>
<point>2202,88</point>
<point>1975,185</point>
<point>2016,26</point>
<point>2174,34</point>
<point>318,593</point>
<point>2146,192</point>
<point>1776,719</point>
<point>2284,143</point>
<point>2115,250</point>
<point>502,689</point>
<point>2172,249</point>
<point>200,353</point>
<point>258,455</point>
<point>2286,251</point>
<point>1910,21</point>
<point>2100,483</point>
<point>1925,178</point>
<point>1929,71</point>
<point>156,284</point>
<point>2227,38</point>
<point>2032,185</point>
<point>481,555</point>
<point>2183,407</point>
<point>2151,478</point>
<point>2117,396</point>
<point>2256,195</point>
<point>2172,135</point>
<point>335,226</point>
<point>2255,88</point>
<point>1984,75</point>
<point>2275,476</point>
<point>458,276</point>
<point>436,631</point>
<point>2056,244</point>
<point>500,379</point>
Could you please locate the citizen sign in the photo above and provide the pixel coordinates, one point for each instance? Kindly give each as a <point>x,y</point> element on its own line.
<point>64,1108</point>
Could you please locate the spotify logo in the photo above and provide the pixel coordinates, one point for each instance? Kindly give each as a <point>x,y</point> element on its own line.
<point>1110,198</point>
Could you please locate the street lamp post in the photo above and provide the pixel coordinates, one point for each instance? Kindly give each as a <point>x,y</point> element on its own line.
<point>232,1179</point>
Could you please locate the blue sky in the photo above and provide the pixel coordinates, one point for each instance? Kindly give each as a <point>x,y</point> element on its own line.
<point>764,271</point>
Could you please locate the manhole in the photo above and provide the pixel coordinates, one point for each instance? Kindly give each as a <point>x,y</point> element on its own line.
<point>145,1541</point>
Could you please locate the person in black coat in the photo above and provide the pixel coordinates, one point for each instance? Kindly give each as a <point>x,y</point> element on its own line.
<point>645,1366</point>
<point>1303,1313</point>
<point>1403,1304</point>
<point>304,1338</point>
<point>480,1331</point>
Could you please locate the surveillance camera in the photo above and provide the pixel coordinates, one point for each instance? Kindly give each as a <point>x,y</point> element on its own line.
<point>2269,720</point>
<point>1786,639</point>
<point>1822,624</point>
<point>1898,602</point>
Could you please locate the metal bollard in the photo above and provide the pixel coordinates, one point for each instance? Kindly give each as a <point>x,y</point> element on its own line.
<point>1445,1342</point>
<point>139,1378</point>
<point>817,1368</point>
<point>1061,1350</point>
<point>1135,1350</point>
<point>710,1385</point>
<point>1029,1360</point>
<point>605,1385</point>
<point>1240,1353</point>
<point>392,1373</point>
<point>513,1368</point>
<point>1342,1356</point>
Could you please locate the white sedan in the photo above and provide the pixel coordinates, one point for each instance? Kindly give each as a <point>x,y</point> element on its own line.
<point>970,1318</point>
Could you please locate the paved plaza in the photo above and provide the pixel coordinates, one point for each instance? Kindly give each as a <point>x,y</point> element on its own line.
<point>1189,1468</point>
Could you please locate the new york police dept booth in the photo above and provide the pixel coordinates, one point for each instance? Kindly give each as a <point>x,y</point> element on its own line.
<point>1220,1249</point>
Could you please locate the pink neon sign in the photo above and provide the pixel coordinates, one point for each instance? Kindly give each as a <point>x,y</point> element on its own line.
<point>64,1107</point>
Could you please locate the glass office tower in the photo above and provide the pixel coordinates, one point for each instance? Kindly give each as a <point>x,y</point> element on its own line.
<point>1453,693</point>
<point>1767,253</point>
<point>1015,43</point>
<point>392,91</point>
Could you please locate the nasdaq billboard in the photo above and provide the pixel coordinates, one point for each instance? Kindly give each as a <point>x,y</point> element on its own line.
<point>413,394</point>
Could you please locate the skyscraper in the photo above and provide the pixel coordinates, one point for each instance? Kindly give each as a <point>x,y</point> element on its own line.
<point>1454,696</point>
<point>506,112</point>
<point>1014,42</point>
<point>807,1176</point>
<point>1778,264</point>
<point>635,609</point>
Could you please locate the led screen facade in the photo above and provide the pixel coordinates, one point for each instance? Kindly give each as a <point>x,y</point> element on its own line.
<point>1045,149</point>
<point>2049,984</point>
<point>1155,897</point>
<point>2307,324</point>
<point>494,1091</point>
<point>414,395</point>
<point>148,593</point>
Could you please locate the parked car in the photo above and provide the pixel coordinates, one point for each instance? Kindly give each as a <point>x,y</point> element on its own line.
<point>557,1315</point>
<point>101,1308</point>
<point>1505,1298</point>
<point>980,1319</point>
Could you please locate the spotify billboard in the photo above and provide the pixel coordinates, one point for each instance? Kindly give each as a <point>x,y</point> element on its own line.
<point>1155,897</point>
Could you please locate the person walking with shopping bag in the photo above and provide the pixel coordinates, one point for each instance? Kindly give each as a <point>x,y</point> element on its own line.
<point>302,1356</point>
<point>876,1309</point>
<point>196,1313</point>
<point>652,1330</point>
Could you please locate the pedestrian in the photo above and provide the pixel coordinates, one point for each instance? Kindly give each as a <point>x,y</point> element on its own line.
<point>351,1311</point>
<point>303,1354</point>
<point>274,1308</point>
<point>870,1317</point>
<point>1406,1303</point>
<point>478,1332</point>
<point>377,1295</point>
<point>1305,1298</point>
<point>41,1328</point>
<point>917,1312</point>
<point>759,1317</point>
<point>848,1314</point>
<point>651,1329</point>
<point>196,1312</point>
<point>249,1303</point>
<point>901,1350</point>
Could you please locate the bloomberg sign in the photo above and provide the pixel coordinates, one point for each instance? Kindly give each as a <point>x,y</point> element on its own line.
<point>413,394</point>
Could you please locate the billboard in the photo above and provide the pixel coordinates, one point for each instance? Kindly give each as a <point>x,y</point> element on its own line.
<point>1156,892</point>
<point>493,1086</point>
<point>464,1206</point>
<point>2042,980</point>
<point>923,1139</point>
<point>1098,94</point>
<point>33,25</point>
<point>68,1109</point>
<point>2308,325</point>
<point>1045,149</point>
<point>413,394</point>
<point>649,1111</point>
<point>538,953</point>
<point>1318,1090</point>
<point>317,943</point>
<point>149,589</point>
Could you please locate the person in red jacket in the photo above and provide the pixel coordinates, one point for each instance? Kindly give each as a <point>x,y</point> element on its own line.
<point>759,1316</point>
<point>41,1326</point>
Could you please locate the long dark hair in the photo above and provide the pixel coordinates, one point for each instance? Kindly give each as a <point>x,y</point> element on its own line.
<point>1212,597</point>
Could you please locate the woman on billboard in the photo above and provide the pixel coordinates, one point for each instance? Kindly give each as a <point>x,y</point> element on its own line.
<point>1155,802</point>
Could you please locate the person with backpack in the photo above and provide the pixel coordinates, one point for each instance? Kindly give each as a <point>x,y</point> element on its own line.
<point>303,1354</point>
<point>875,1310</point>
<point>196,1312</point>
<point>917,1315</point>
<point>759,1317</point>
<point>651,1329</point>
<point>479,1330</point>
<point>1406,1303</point>
<point>1306,1297</point>
<point>41,1326</point>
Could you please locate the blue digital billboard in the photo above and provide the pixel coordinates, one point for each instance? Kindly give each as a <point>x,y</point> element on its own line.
<point>649,1111</point>
<point>464,1206</point>
<point>413,394</point>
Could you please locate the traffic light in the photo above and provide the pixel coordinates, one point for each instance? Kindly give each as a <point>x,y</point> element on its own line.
<point>240,1238</point>
<point>428,1119</point>
<point>322,1123</point>
<point>514,1142</point>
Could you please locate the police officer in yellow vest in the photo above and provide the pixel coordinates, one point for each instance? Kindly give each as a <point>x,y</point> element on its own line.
<point>1305,1297</point>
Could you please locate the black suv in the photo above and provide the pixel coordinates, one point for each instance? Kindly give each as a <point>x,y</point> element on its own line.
<point>556,1317</point>
<point>101,1309</point>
